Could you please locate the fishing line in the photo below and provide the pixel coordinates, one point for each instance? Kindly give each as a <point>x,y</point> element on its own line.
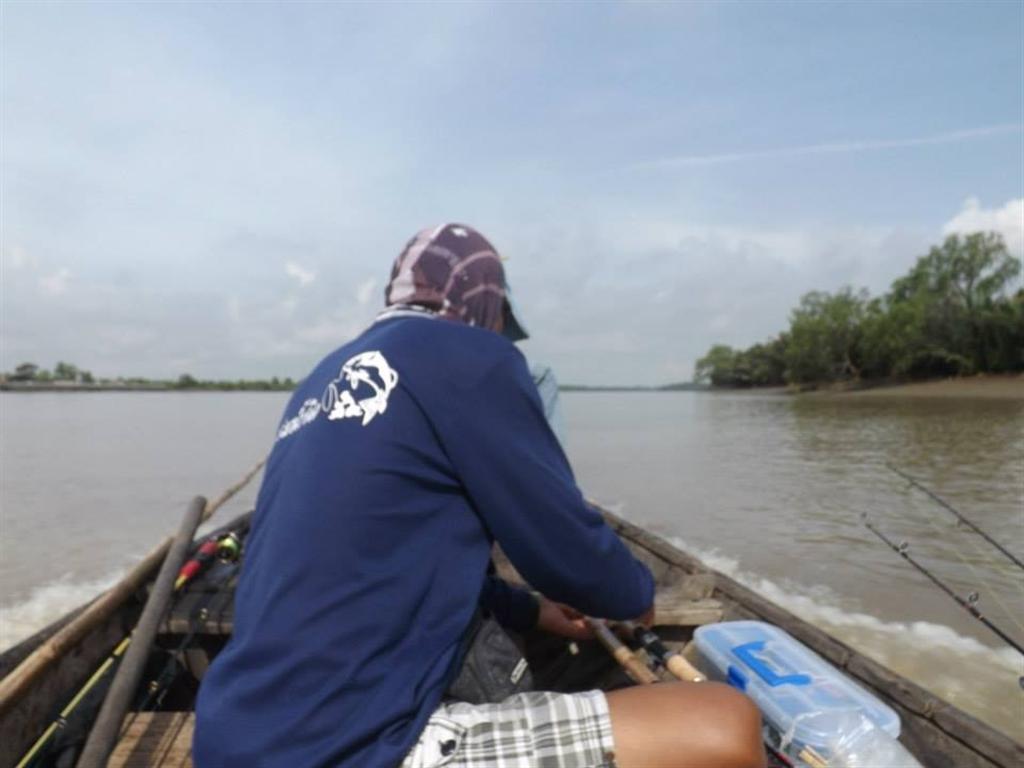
<point>981,579</point>
<point>992,592</point>
<point>967,604</point>
<point>959,515</point>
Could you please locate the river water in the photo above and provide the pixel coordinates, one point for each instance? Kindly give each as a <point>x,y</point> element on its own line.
<point>768,488</point>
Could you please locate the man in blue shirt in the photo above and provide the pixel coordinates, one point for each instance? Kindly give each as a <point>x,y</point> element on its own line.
<point>401,458</point>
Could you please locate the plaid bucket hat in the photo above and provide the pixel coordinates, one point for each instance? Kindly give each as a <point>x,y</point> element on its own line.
<point>453,271</point>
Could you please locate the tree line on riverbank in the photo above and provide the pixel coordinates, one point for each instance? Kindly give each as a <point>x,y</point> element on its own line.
<point>69,376</point>
<point>958,311</point>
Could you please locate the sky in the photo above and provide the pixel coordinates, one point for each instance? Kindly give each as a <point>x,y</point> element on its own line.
<point>220,189</point>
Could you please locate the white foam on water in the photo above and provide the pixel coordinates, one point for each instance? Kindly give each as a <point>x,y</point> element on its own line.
<point>47,603</point>
<point>959,669</point>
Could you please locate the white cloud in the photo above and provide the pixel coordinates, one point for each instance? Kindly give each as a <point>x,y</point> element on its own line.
<point>365,291</point>
<point>300,273</point>
<point>55,284</point>
<point>18,257</point>
<point>827,148</point>
<point>1007,221</point>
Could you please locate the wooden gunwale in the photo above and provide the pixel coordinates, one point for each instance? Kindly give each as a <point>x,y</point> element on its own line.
<point>54,684</point>
<point>64,675</point>
<point>14,685</point>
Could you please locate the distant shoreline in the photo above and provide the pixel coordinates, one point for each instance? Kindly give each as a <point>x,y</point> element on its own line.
<point>982,387</point>
<point>79,388</point>
<point>67,387</point>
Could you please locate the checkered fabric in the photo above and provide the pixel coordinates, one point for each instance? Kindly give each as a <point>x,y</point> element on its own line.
<point>539,729</point>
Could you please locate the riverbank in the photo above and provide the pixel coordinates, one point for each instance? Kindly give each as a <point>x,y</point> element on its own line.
<point>985,387</point>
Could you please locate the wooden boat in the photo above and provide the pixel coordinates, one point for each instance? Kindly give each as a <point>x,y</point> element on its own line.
<point>157,729</point>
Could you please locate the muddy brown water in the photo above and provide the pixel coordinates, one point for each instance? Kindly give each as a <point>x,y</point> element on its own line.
<point>768,488</point>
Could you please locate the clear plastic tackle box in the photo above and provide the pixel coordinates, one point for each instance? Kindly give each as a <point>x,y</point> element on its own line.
<point>804,699</point>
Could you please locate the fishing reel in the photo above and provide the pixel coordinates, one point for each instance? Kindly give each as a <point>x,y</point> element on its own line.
<point>229,547</point>
<point>226,549</point>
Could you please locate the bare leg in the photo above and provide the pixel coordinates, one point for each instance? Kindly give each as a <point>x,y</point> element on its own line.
<point>685,725</point>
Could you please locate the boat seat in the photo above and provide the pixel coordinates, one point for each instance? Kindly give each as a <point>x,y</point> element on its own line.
<point>678,607</point>
<point>153,739</point>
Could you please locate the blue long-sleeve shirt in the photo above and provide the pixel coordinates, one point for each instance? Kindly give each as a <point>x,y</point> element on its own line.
<point>398,462</point>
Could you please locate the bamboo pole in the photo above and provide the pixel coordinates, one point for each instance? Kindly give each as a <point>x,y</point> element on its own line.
<point>14,686</point>
<point>104,732</point>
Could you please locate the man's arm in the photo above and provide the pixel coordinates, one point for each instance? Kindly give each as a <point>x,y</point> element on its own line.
<point>521,485</point>
<point>513,607</point>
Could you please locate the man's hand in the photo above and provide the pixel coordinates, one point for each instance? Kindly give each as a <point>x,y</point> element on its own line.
<point>565,621</point>
<point>562,620</point>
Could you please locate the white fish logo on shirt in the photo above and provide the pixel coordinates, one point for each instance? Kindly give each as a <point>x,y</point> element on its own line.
<point>362,388</point>
<point>361,391</point>
<point>308,412</point>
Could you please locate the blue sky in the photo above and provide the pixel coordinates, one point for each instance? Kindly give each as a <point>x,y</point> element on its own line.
<point>220,188</point>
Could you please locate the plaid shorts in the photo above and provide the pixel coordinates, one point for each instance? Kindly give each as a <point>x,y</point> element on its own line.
<point>540,729</point>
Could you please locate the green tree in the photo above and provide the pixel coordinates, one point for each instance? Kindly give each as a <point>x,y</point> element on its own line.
<point>25,372</point>
<point>766,362</point>
<point>65,372</point>
<point>717,367</point>
<point>824,336</point>
<point>186,381</point>
<point>950,311</point>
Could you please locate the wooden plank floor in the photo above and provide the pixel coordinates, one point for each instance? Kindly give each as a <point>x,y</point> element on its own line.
<point>155,739</point>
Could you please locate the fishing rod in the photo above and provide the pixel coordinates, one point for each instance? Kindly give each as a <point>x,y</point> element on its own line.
<point>200,560</point>
<point>959,515</point>
<point>968,603</point>
<point>633,666</point>
<point>661,654</point>
<point>159,685</point>
<point>225,548</point>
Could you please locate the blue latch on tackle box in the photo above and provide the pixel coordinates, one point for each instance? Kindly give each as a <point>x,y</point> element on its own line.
<point>803,698</point>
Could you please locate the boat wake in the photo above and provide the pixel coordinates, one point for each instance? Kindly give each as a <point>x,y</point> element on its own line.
<point>47,603</point>
<point>962,670</point>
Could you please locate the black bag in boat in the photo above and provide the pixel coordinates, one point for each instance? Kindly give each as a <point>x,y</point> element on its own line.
<point>493,665</point>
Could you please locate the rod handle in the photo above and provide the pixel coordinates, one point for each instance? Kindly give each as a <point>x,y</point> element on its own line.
<point>683,669</point>
<point>636,669</point>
